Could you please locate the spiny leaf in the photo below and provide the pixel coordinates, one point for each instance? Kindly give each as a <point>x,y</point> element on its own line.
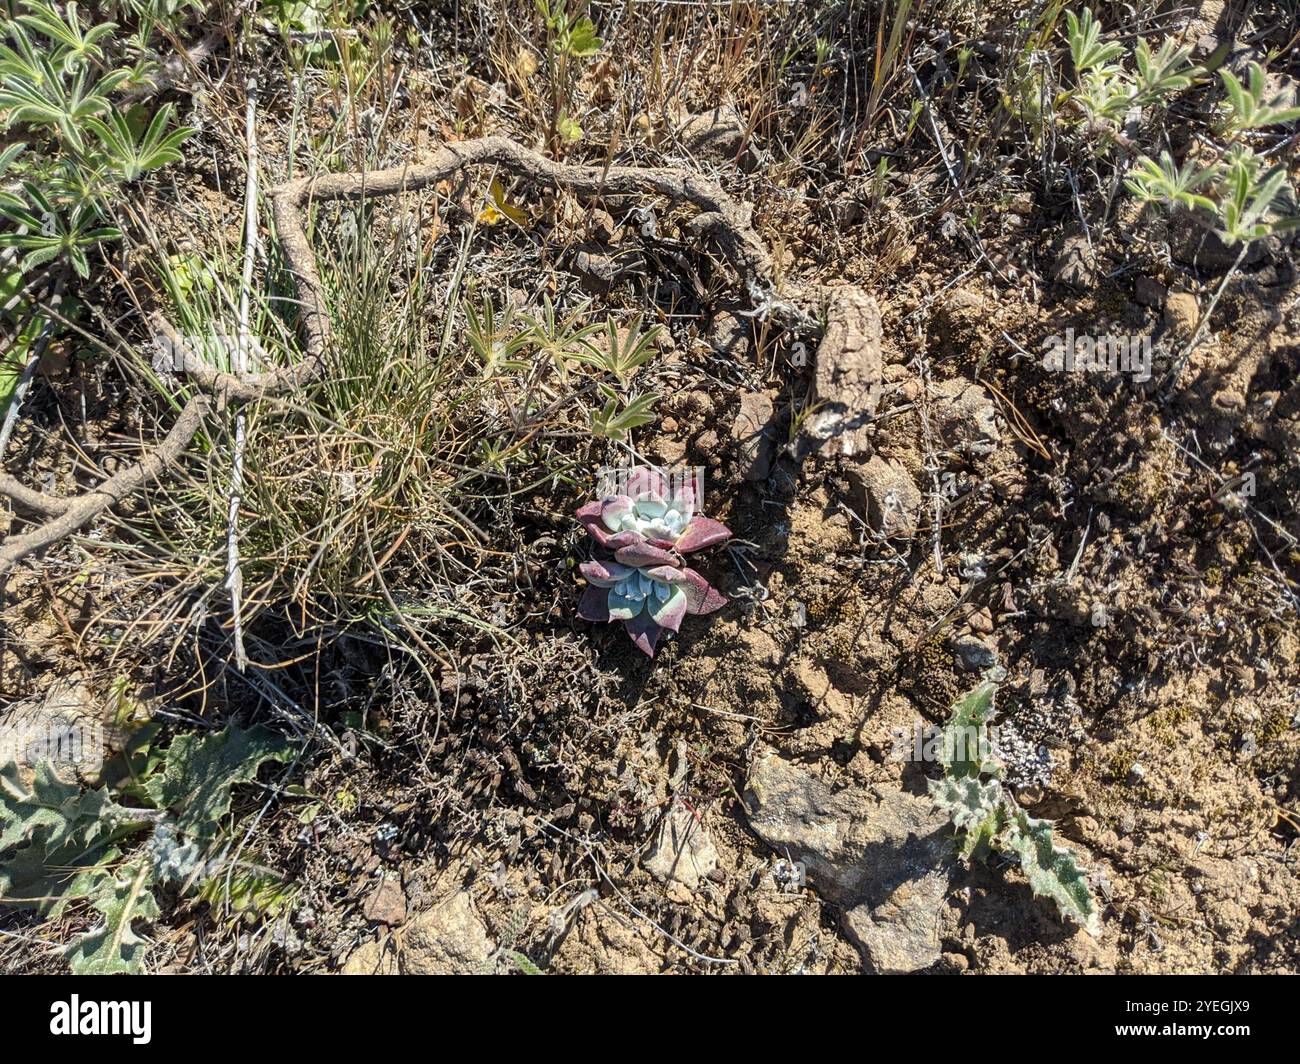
<point>963,736</point>
<point>113,948</point>
<point>977,809</point>
<point>55,812</point>
<point>1052,870</point>
<point>200,770</point>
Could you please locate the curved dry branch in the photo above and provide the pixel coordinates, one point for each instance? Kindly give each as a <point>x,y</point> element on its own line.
<point>723,219</point>
<point>83,508</point>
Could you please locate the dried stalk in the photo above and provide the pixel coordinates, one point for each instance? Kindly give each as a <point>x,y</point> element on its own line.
<point>234,574</point>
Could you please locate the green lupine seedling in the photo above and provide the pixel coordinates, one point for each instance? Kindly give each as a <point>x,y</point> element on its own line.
<point>494,338</point>
<point>131,152</point>
<point>1247,108</point>
<point>1166,182</point>
<point>1086,48</point>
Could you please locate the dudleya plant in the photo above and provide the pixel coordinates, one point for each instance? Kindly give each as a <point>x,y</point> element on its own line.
<point>646,584</point>
<point>656,510</point>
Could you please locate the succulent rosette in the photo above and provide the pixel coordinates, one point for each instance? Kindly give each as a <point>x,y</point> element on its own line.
<point>646,599</point>
<point>646,584</point>
<point>655,512</point>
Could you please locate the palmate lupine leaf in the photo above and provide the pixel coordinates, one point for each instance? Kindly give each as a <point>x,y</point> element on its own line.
<point>1052,870</point>
<point>1086,48</point>
<point>1249,109</point>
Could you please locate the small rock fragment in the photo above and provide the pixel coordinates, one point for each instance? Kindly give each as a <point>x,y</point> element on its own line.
<point>386,903</point>
<point>889,499</point>
<point>449,939</point>
<point>1149,292</point>
<point>683,852</point>
<point>1182,314</point>
<point>719,132</point>
<point>753,433</point>
<point>728,334</point>
<point>967,418</point>
<point>847,379</point>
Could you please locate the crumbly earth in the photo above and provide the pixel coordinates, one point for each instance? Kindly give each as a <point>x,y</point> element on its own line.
<point>1127,556</point>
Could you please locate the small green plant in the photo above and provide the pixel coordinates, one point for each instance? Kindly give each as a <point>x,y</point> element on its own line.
<point>1247,108</point>
<point>1107,92</point>
<point>63,846</point>
<point>624,350</point>
<point>988,819</point>
<point>570,36</point>
<point>73,145</point>
<point>1231,185</point>
<point>494,338</point>
<point>562,339</point>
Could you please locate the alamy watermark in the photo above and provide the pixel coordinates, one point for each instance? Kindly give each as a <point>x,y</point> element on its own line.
<point>69,744</point>
<point>1084,353</point>
<point>668,482</point>
<point>215,350</point>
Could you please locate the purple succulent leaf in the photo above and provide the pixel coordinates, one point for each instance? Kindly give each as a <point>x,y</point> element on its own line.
<point>643,553</point>
<point>588,516</point>
<point>624,539</point>
<point>613,510</point>
<point>668,574</point>
<point>604,574</point>
<point>701,596</point>
<point>700,533</point>
<point>668,612</point>
<point>645,632</point>
<point>622,608</point>
<point>594,604</point>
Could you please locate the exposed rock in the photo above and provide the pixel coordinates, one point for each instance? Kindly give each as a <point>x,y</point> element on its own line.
<point>882,855</point>
<point>974,655</point>
<point>888,497</point>
<point>967,418</point>
<point>728,334</point>
<point>386,903</point>
<point>1195,243</point>
<point>1074,265</point>
<point>847,377</point>
<point>1149,292</point>
<point>719,132</point>
<point>1182,314</point>
<point>449,939</point>
<point>902,933</point>
<point>683,852</point>
<point>754,435</point>
<point>599,268</point>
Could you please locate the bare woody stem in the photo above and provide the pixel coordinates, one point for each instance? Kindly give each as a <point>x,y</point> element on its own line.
<point>724,220</point>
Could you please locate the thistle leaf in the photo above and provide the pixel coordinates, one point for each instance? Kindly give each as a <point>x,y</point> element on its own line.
<point>1052,870</point>
<point>976,808</point>
<point>113,948</point>
<point>200,770</point>
<point>964,734</point>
